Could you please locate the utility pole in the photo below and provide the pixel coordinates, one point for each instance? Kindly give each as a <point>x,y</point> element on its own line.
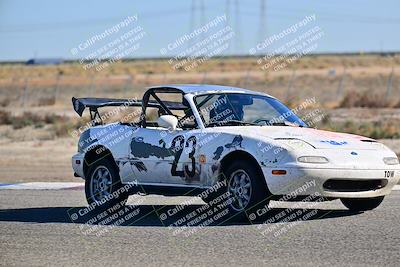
<point>339,92</point>
<point>290,85</point>
<point>25,93</point>
<point>389,85</point>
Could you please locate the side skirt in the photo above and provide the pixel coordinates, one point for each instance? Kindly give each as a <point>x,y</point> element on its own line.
<point>167,190</point>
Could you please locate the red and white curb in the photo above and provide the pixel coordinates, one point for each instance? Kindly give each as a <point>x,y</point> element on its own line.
<point>64,186</point>
<point>43,186</point>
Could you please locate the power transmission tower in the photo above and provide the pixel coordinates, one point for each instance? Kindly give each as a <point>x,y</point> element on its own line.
<point>196,5</point>
<point>238,37</point>
<point>262,26</point>
<point>228,20</point>
<point>192,24</point>
<point>202,13</point>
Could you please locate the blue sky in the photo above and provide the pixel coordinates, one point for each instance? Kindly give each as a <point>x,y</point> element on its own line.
<point>48,28</point>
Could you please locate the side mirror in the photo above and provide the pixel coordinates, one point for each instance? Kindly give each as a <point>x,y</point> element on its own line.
<point>168,121</point>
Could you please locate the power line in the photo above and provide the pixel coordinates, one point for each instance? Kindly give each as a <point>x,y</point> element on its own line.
<point>276,13</point>
<point>87,22</point>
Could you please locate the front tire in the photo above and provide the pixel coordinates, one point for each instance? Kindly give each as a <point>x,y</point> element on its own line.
<point>245,187</point>
<point>362,204</point>
<point>103,185</point>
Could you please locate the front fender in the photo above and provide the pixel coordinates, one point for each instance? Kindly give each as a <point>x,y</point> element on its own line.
<point>266,152</point>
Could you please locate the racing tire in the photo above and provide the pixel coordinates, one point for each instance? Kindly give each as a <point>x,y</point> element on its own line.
<point>362,204</point>
<point>245,190</point>
<point>103,185</point>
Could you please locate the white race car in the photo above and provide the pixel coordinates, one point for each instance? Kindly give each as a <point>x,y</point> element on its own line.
<point>214,141</point>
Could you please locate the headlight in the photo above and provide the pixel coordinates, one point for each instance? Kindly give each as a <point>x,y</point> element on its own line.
<point>312,159</point>
<point>391,161</point>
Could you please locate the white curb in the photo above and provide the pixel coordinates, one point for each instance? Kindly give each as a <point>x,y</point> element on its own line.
<point>42,186</point>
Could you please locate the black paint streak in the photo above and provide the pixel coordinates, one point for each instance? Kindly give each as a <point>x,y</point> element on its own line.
<point>139,166</point>
<point>121,163</point>
<point>237,141</point>
<point>85,140</point>
<point>214,168</point>
<point>140,149</point>
<point>188,177</point>
<point>218,153</point>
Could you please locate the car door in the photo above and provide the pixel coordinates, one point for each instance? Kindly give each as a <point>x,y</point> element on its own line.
<point>184,165</point>
<point>164,157</point>
<point>147,155</point>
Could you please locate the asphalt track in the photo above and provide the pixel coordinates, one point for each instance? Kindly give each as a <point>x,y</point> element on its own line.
<point>36,229</point>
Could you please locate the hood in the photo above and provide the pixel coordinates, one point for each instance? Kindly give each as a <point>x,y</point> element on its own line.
<point>317,138</point>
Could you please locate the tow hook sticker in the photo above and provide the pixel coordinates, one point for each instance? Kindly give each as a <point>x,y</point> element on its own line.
<point>389,174</point>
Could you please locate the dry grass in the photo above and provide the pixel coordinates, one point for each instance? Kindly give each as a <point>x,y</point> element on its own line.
<point>365,100</point>
<point>319,76</point>
<point>375,130</point>
<point>46,101</point>
<point>378,127</point>
<point>60,126</point>
<point>136,67</point>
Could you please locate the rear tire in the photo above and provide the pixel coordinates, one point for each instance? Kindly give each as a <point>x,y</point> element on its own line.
<point>103,185</point>
<point>362,204</point>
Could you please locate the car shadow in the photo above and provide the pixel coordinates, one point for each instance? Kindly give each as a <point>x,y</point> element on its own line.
<point>164,216</point>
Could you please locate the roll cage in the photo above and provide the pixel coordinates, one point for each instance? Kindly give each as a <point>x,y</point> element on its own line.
<point>166,107</point>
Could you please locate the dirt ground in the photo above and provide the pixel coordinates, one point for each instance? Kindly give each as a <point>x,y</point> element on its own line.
<point>37,161</point>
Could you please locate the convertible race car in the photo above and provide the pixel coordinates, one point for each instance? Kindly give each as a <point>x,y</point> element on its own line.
<point>191,139</point>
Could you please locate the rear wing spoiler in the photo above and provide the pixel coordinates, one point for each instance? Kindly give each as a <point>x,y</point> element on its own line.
<point>80,104</point>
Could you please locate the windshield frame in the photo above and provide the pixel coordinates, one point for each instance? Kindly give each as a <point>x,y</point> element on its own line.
<point>259,95</point>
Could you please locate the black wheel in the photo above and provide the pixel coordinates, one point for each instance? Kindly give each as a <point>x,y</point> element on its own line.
<point>362,204</point>
<point>103,185</point>
<point>245,188</point>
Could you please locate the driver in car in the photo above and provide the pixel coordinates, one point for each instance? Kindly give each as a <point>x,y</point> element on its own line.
<point>231,109</point>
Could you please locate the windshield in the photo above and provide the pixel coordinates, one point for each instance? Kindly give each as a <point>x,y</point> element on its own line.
<point>244,109</point>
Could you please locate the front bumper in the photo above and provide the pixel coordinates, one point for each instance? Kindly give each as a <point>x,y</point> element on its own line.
<point>310,181</point>
<point>77,164</point>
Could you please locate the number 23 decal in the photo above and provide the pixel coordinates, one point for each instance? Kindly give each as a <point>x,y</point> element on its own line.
<point>177,146</point>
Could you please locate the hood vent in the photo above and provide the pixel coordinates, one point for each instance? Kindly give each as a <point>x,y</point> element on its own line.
<point>368,141</point>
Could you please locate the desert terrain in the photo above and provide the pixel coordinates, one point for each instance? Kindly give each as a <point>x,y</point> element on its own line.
<point>353,93</point>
